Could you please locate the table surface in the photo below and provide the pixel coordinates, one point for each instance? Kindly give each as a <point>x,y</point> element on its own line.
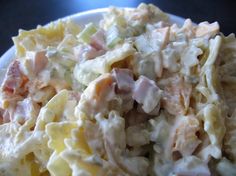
<point>25,14</point>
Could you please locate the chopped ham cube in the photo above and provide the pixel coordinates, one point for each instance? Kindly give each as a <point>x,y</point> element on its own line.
<point>147,93</point>
<point>97,47</point>
<point>124,79</point>
<point>98,40</point>
<point>39,61</point>
<point>34,63</point>
<point>14,78</point>
<point>86,52</point>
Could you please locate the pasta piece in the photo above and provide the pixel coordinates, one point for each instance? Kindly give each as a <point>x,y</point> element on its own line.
<point>52,110</point>
<point>58,166</point>
<point>102,64</point>
<point>56,138</point>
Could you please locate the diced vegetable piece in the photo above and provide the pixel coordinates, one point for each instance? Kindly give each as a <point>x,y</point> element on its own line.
<point>114,36</point>
<point>86,34</point>
<point>124,79</point>
<point>142,44</point>
<point>147,93</point>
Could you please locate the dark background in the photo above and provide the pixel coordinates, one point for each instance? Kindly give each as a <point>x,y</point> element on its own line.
<point>26,14</point>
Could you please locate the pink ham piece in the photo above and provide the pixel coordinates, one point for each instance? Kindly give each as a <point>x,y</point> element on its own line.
<point>86,52</point>
<point>14,78</point>
<point>147,93</point>
<point>97,47</point>
<point>124,79</point>
<point>124,84</point>
<point>98,40</point>
<point>39,61</point>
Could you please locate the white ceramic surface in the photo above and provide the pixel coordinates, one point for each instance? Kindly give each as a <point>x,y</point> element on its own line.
<point>81,19</point>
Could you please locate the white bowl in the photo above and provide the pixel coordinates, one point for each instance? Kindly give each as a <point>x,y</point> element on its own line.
<point>79,18</point>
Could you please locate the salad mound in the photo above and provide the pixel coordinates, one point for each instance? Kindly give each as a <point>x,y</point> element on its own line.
<point>134,95</point>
